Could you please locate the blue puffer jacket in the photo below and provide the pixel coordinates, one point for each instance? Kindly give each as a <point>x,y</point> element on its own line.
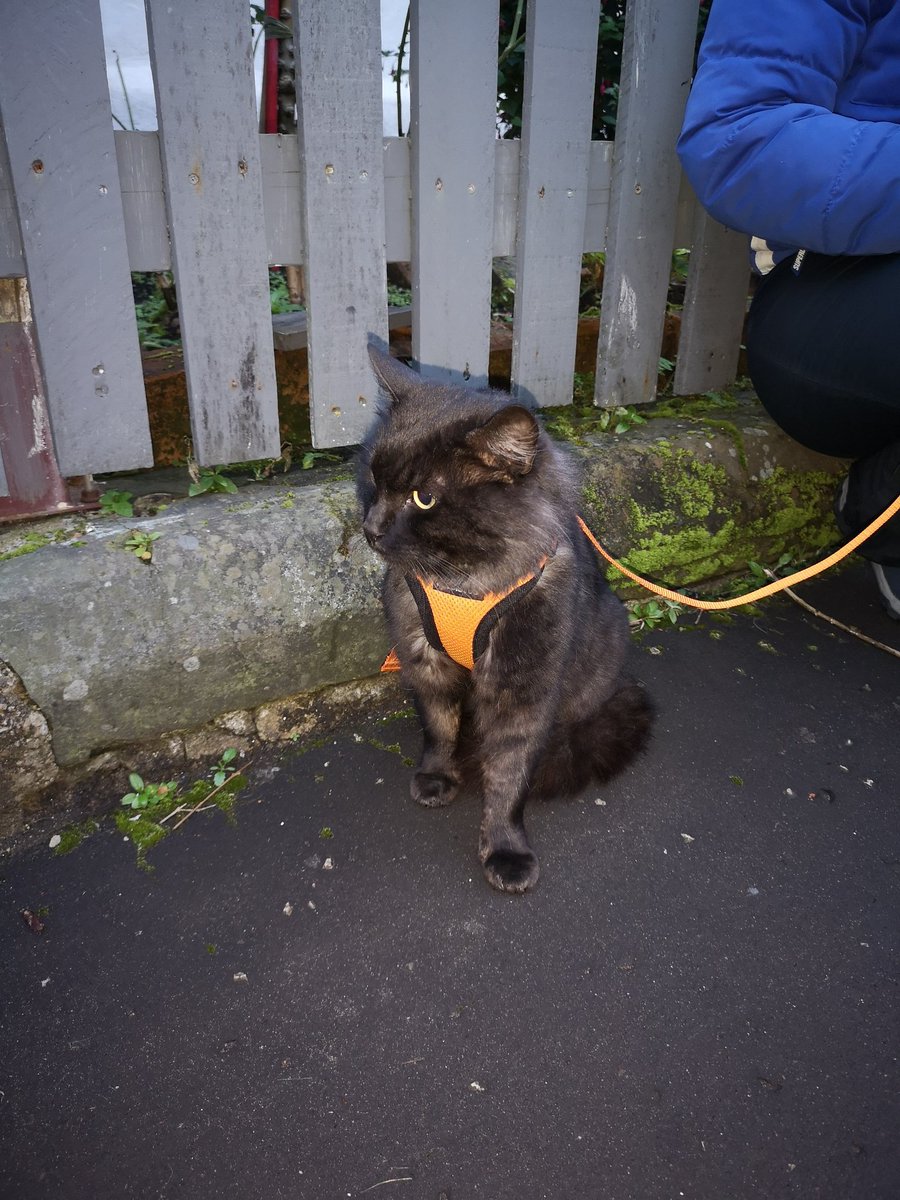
<point>792,128</point>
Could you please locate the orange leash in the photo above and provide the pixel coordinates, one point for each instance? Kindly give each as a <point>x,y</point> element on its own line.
<point>770,588</point>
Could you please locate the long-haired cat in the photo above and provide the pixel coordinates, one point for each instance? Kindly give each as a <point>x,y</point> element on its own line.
<point>506,632</point>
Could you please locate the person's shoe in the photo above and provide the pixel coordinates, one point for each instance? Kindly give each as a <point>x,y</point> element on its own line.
<point>872,483</point>
<point>888,580</point>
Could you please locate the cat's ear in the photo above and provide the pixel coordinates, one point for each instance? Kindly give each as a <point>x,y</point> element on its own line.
<point>507,444</point>
<point>394,376</point>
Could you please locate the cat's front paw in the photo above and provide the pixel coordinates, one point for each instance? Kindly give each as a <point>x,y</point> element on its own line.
<point>433,789</point>
<point>511,870</point>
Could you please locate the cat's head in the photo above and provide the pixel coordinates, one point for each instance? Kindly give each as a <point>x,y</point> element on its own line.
<point>456,485</point>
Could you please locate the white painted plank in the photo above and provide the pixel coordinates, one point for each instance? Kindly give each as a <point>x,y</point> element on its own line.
<point>656,69</point>
<point>397,201</point>
<point>209,144</point>
<point>506,197</point>
<point>143,201</point>
<point>453,134</point>
<point>561,57</point>
<point>715,304</point>
<point>146,223</point>
<point>282,197</point>
<point>55,110</point>
<point>342,165</point>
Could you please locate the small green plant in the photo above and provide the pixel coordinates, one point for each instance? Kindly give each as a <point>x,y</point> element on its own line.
<point>279,294</point>
<point>147,809</point>
<point>311,457</point>
<point>398,297</point>
<point>140,543</point>
<point>583,387</point>
<point>681,260</point>
<point>219,773</point>
<point>503,295</point>
<point>209,479</point>
<point>648,614</point>
<point>620,420</point>
<point>120,503</point>
<point>761,575</point>
<point>147,795</point>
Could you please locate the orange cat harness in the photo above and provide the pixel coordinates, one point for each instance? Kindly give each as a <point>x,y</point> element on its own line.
<point>459,626</point>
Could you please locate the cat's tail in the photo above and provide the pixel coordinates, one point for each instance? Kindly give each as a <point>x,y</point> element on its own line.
<point>597,748</point>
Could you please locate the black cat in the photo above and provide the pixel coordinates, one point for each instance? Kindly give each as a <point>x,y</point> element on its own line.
<point>506,632</point>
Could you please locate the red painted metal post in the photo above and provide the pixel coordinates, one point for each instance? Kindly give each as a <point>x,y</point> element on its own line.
<point>33,482</point>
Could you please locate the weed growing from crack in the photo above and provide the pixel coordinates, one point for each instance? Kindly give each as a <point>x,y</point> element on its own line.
<point>140,543</point>
<point>119,503</point>
<point>155,804</point>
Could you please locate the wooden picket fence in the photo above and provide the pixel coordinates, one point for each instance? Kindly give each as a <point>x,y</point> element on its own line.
<point>216,202</point>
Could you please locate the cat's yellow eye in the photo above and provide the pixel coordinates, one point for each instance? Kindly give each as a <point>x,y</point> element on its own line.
<point>423,500</point>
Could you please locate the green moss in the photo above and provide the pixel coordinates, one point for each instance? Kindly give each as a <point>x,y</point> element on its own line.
<point>143,832</point>
<point>30,543</point>
<point>73,835</point>
<point>392,749</point>
<point>687,531</point>
<point>145,829</point>
<point>733,433</point>
<point>402,714</point>
<point>690,408</point>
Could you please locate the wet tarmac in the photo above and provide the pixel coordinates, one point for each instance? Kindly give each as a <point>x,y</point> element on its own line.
<point>326,1000</point>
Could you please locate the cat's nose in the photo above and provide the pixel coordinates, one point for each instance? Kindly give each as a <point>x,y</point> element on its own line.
<point>373,528</point>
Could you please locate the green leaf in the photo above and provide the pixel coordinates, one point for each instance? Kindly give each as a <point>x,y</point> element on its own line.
<point>229,755</point>
<point>136,782</point>
<point>219,778</point>
<point>202,485</point>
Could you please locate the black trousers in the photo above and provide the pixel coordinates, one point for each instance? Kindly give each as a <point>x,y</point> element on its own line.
<point>823,350</point>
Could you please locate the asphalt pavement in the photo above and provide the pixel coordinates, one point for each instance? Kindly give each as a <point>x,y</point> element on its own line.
<point>326,1000</point>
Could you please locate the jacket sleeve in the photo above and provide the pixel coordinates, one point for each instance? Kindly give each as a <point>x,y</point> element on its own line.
<point>761,144</point>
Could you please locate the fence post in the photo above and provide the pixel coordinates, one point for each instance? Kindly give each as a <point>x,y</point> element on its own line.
<point>30,482</point>
<point>715,304</point>
<point>561,58</point>
<point>58,127</point>
<point>656,71</point>
<point>342,169</point>
<point>209,145</point>
<point>453,108</point>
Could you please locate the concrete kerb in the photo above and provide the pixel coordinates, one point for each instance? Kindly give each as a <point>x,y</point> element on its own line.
<point>258,618</point>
